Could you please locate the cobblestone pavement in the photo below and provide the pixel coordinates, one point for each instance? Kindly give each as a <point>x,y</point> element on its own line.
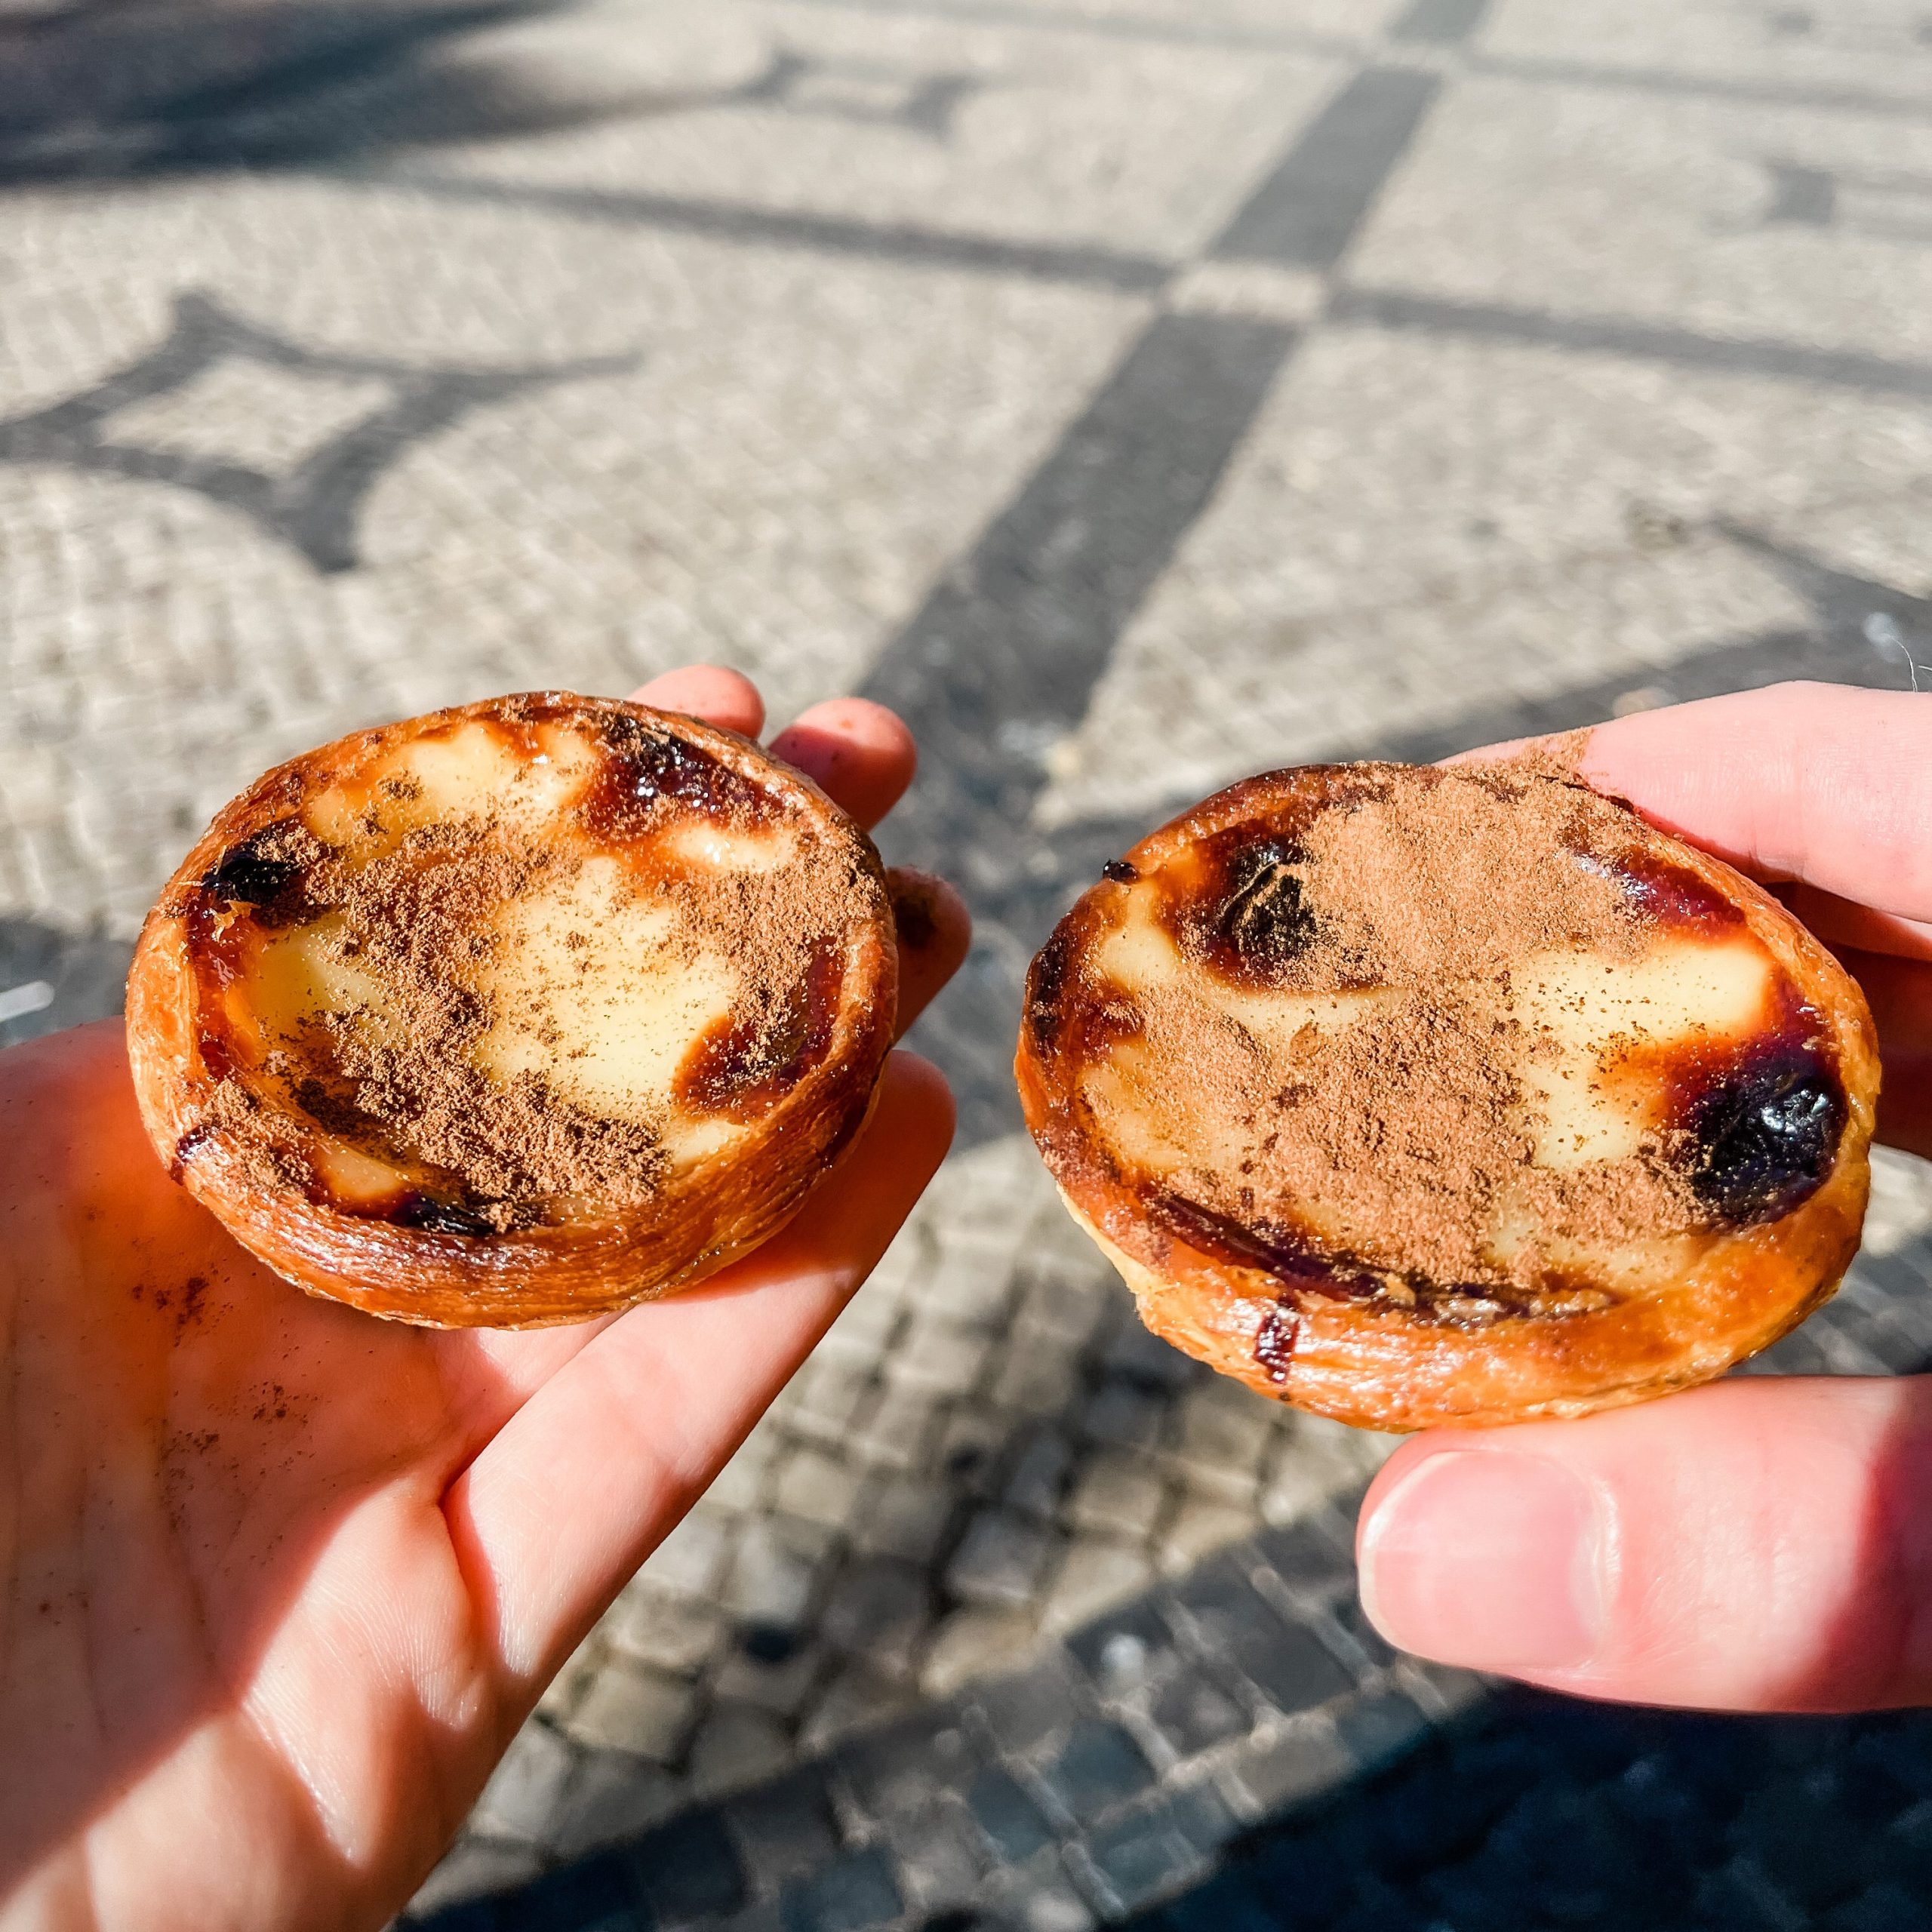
<point>1135,395</point>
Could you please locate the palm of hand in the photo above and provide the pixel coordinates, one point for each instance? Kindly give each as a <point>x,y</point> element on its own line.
<point>283,1577</point>
<point>234,1588</point>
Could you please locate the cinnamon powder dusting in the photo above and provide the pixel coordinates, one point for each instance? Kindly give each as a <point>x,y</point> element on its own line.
<point>418,921</point>
<point>401,1080</point>
<point>1405,1126</point>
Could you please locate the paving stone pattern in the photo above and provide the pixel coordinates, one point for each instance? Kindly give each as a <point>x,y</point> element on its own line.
<point>1541,1813</point>
<point>1233,1745</point>
<point>1136,394</point>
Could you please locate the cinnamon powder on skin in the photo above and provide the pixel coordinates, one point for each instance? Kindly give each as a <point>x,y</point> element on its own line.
<point>1405,1127</point>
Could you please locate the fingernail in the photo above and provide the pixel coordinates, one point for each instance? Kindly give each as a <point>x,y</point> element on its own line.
<point>1490,1560</point>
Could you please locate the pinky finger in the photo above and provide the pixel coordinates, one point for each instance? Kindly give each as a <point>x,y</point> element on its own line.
<point>728,699</point>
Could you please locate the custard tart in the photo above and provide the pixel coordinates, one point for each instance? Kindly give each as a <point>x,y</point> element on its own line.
<point>1415,1096</point>
<point>517,1013</point>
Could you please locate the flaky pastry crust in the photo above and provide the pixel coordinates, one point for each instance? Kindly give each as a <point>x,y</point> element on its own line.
<point>668,818</point>
<point>1393,1360</point>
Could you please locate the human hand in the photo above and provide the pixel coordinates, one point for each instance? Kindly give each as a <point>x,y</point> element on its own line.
<point>1760,1545</point>
<point>282,1580</point>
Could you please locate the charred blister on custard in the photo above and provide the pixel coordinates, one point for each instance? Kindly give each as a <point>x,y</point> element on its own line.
<point>1265,923</point>
<point>250,874</point>
<point>1303,1265</point>
<point>262,878</point>
<point>1275,1249</point>
<point>1764,1139</point>
<point>1241,908</point>
<point>431,1215</point>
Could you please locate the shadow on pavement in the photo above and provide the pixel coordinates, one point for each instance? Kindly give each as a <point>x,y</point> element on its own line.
<point>49,978</point>
<point>108,88</point>
<point>1542,1811</point>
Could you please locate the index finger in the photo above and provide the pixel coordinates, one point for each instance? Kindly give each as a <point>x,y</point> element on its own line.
<point>1819,782</point>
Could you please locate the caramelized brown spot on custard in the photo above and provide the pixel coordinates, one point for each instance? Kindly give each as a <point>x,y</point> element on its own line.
<point>1672,895</point>
<point>756,1055</point>
<point>646,767</point>
<point>257,872</point>
<point>1253,920</point>
<point>1048,986</point>
<point>1291,1255</point>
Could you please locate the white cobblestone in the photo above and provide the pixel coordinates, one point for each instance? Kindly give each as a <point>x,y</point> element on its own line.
<point>642,1711</point>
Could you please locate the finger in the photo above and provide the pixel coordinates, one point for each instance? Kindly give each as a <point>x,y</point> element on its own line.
<point>935,930</point>
<point>1811,782</point>
<point>859,752</point>
<point>1900,994</point>
<point>489,1373</point>
<point>557,1512</point>
<point>725,698</point>
<point>1757,1545</point>
<point>1844,922</point>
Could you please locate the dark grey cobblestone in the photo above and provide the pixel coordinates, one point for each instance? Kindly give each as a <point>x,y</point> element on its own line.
<point>1092,1767</point>
<point>1652,1820</point>
<point>685,1870</point>
<point>855,1891</point>
<point>954,1809</point>
<point>1015,1826</point>
<point>782,1830</point>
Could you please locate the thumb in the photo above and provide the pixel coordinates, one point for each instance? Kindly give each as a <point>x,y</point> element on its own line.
<point>1759,1545</point>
